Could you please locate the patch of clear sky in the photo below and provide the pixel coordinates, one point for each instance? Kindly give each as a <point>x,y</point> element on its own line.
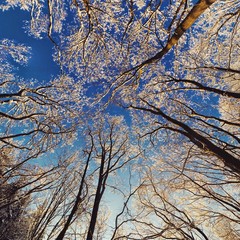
<point>40,65</point>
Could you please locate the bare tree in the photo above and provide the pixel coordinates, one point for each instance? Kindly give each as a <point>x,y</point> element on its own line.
<point>108,150</point>
<point>13,204</point>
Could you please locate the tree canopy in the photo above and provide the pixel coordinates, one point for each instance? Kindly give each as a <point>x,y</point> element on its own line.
<point>137,136</point>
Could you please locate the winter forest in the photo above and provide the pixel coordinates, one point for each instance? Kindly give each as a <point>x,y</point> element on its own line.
<point>137,134</point>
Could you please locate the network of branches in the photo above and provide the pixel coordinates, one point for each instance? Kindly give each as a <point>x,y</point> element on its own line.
<point>137,136</point>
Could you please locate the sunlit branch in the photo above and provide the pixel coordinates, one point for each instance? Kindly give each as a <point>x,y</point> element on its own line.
<point>206,88</point>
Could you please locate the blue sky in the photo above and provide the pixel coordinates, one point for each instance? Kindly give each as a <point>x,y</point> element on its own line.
<point>40,65</point>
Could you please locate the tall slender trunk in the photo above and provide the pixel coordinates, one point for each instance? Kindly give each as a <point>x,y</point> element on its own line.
<point>97,200</point>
